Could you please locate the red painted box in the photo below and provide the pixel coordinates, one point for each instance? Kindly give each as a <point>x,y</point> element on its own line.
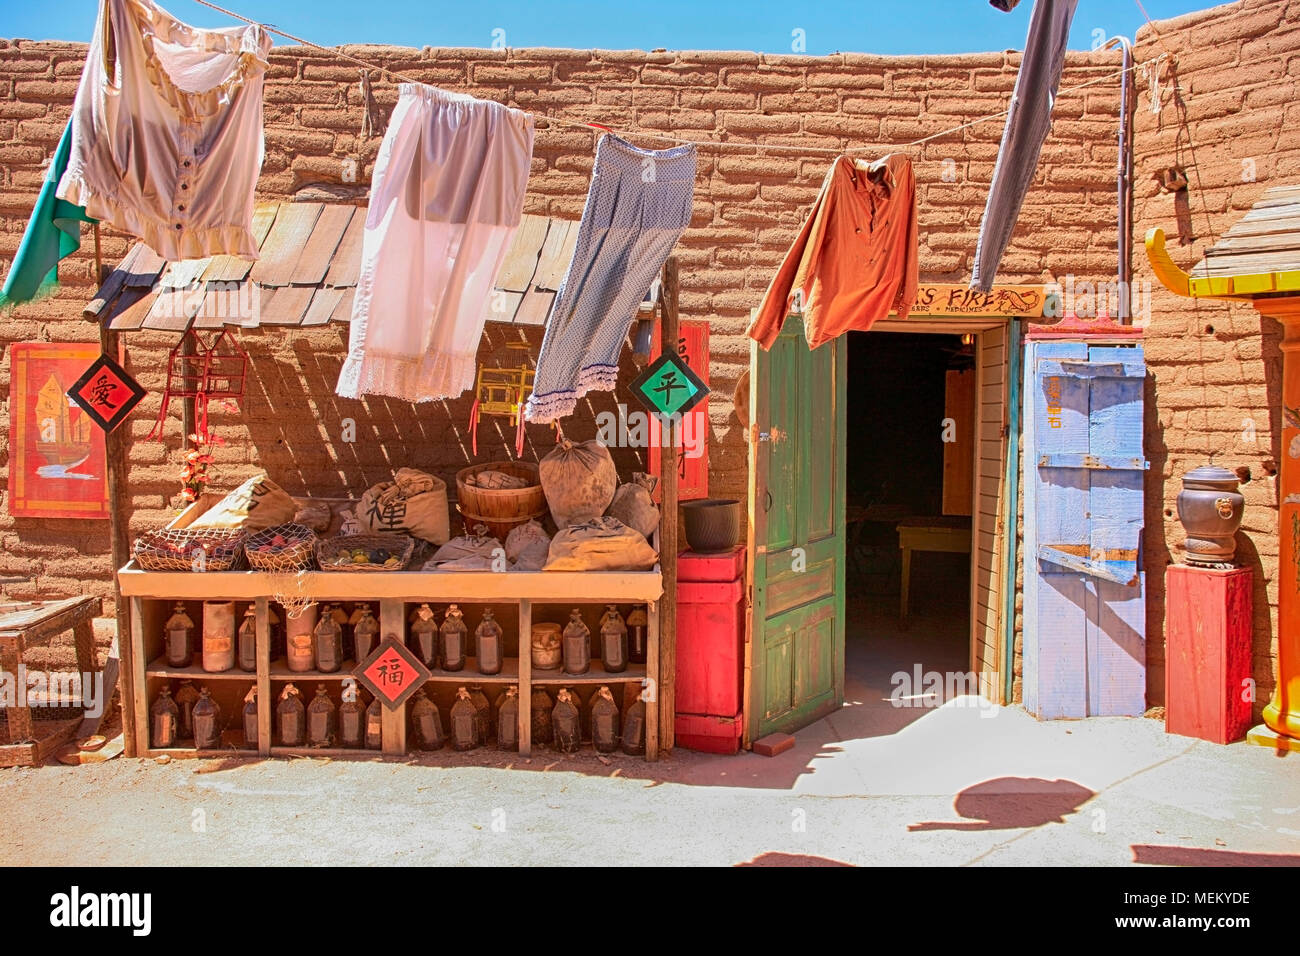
<point>710,651</point>
<point>1208,688</point>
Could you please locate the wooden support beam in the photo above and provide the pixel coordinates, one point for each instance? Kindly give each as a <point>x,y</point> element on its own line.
<point>668,547</point>
<point>525,678</point>
<point>265,696</point>
<point>392,620</point>
<point>116,449</point>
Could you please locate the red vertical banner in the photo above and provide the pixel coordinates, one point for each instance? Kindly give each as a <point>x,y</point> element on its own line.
<point>693,462</point>
<point>57,465</point>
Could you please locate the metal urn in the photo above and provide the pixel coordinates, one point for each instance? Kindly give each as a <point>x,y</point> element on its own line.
<point>1210,508</point>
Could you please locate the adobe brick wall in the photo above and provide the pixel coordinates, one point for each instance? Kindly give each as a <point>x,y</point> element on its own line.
<point>747,209</point>
<point>1229,116</point>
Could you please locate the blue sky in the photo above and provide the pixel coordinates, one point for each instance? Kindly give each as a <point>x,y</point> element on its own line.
<point>865,26</point>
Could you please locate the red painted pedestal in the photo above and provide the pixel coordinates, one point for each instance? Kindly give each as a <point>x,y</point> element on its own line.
<point>1207,649</point>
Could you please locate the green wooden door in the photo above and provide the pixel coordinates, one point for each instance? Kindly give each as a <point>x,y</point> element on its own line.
<point>796,503</point>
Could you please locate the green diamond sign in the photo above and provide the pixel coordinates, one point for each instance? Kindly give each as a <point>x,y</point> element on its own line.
<point>668,387</point>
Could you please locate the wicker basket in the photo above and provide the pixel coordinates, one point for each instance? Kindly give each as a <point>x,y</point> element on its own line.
<point>297,555</point>
<point>501,509</point>
<point>398,545</point>
<point>177,549</point>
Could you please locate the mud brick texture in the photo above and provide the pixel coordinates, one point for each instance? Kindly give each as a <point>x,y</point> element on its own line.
<point>1227,115</point>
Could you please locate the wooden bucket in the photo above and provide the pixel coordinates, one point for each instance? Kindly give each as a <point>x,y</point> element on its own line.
<point>501,509</point>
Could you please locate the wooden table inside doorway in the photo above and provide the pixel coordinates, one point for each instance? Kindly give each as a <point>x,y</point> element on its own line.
<point>929,533</point>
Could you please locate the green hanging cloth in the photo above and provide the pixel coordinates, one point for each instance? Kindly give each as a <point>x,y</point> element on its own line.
<point>53,232</point>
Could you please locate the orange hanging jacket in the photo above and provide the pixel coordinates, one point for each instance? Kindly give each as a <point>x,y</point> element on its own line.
<point>855,258</point>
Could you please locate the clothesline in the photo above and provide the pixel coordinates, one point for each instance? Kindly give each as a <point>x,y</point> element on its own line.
<point>704,143</point>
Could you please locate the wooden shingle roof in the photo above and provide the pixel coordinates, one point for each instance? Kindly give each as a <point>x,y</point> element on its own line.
<point>1259,255</point>
<point>306,275</point>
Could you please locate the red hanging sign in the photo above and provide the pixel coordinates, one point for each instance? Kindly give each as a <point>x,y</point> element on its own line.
<point>693,455</point>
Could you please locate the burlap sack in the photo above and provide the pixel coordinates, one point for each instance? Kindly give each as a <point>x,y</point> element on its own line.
<point>578,481</point>
<point>497,480</point>
<point>633,505</point>
<point>469,552</point>
<point>257,503</point>
<point>315,515</point>
<point>527,547</point>
<point>604,544</point>
<point>414,503</point>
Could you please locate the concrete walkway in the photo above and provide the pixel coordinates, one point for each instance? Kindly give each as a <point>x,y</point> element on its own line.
<point>963,783</point>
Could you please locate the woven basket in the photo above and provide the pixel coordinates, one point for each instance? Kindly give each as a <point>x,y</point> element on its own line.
<point>297,555</point>
<point>399,545</point>
<point>175,549</point>
<point>501,509</point>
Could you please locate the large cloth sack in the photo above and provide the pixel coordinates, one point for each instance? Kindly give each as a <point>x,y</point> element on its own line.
<point>578,481</point>
<point>413,503</point>
<point>469,552</point>
<point>257,503</point>
<point>527,547</point>
<point>603,544</point>
<point>633,505</point>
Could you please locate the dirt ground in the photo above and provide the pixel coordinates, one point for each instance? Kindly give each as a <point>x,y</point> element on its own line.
<point>957,785</point>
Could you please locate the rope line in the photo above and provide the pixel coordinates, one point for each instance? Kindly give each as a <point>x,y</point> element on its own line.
<point>706,143</point>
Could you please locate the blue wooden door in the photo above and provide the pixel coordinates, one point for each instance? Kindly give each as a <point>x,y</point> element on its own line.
<point>1085,591</point>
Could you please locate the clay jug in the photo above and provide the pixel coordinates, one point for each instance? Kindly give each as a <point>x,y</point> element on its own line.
<point>482,712</point>
<point>637,624</point>
<point>164,721</point>
<point>365,634</point>
<point>566,723</point>
<point>541,706</point>
<point>218,636</point>
<point>464,722</point>
<point>178,638</point>
<point>327,640</point>
<point>577,644</point>
<point>250,719</point>
<point>634,729</point>
<point>299,645</point>
<point>604,722</point>
<point>186,698</point>
<point>451,638</point>
<point>207,722</point>
<point>352,717</point>
<point>1210,508</point>
<point>424,637</point>
<point>375,725</point>
<point>248,641</point>
<point>508,719</point>
<point>322,720</point>
<point>290,717</point>
<point>487,644</point>
<point>613,641</point>
<point>426,723</point>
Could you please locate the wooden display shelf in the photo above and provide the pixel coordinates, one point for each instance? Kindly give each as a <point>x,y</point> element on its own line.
<point>160,668</point>
<point>596,674</point>
<point>470,674</point>
<point>459,587</point>
<point>280,671</point>
<point>150,596</point>
<point>279,750</point>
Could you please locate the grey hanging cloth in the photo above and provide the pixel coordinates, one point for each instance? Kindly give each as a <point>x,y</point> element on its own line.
<point>1028,121</point>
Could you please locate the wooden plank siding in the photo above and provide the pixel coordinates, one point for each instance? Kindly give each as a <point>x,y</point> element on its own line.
<point>988,503</point>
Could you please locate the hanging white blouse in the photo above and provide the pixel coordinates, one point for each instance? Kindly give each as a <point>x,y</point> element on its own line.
<point>447,196</point>
<point>167,131</point>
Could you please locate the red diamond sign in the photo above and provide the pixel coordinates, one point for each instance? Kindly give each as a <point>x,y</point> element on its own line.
<point>392,673</point>
<point>106,392</point>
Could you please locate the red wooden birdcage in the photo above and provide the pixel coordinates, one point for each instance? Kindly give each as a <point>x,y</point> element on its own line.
<point>203,371</point>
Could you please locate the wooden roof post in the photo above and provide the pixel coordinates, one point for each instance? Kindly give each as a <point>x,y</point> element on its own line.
<point>115,453</point>
<point>668,547</point>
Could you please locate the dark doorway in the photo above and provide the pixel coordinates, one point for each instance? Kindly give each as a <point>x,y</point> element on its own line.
<point>910,397</point>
